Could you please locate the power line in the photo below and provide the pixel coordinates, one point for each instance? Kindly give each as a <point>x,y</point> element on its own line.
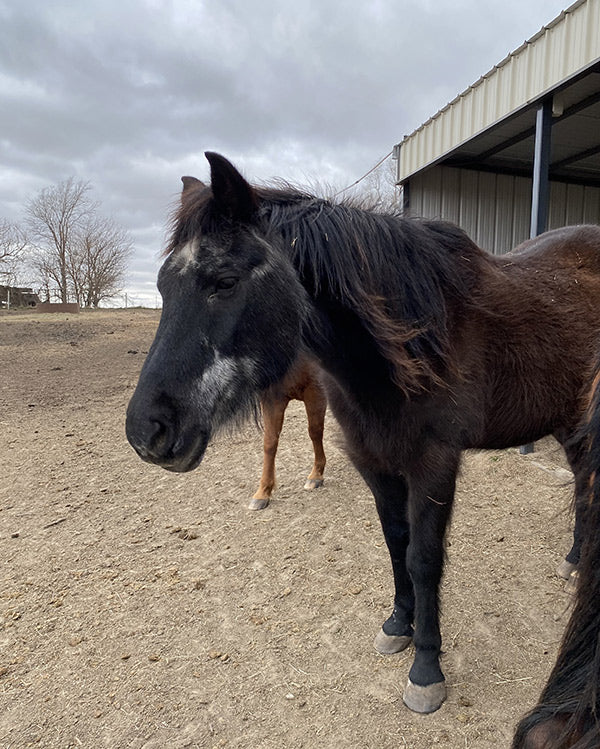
<point>360,179</point>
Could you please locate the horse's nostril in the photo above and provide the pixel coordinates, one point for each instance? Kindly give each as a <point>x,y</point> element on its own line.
<point>151,440</point>
<point>157,435</point>
<point>156,428</point>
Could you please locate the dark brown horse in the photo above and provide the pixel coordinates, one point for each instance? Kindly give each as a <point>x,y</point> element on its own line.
<point>568,712</point>
<point>300,383</point>
<point>429,346</point>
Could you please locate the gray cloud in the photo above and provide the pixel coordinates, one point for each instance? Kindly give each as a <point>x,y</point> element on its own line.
<point>129,94</point>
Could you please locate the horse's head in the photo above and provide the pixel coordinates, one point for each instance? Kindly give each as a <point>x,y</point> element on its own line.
<point>230,324</point>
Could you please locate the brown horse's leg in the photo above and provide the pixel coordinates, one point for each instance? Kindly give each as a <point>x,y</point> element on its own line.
<point>316,405</point>
<point>273,410</point>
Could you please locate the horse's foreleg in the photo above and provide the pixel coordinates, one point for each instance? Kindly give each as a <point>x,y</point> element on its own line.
<point>315,404</point>
<point>273,410</point>
<point>390,494</point>
<point>431,495</point>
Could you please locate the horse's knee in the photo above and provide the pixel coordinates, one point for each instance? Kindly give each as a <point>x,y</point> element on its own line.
<point>316,433</point>
<point>424,568</point>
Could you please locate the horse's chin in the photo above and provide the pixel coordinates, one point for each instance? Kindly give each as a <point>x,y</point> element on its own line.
<point>183,465</point>
<point>184,456</point>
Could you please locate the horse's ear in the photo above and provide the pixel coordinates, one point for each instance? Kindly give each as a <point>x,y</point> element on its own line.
<point>233,196</point>
<point>191,183</point>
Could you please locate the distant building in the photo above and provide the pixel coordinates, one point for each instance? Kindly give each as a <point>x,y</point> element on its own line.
<point>18,296</point>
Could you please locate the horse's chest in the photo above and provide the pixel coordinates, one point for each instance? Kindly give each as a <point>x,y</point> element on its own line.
<point>378,438</point>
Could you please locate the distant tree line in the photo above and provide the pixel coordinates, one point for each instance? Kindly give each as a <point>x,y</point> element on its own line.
<point>65,247</point>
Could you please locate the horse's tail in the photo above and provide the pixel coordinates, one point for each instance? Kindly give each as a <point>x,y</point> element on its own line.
<point>568,712</point>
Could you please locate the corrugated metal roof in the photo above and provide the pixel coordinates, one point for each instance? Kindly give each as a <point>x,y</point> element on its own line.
<point>559,51</point>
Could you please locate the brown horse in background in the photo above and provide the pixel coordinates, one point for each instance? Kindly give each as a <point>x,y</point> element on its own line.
<point>301,383</point>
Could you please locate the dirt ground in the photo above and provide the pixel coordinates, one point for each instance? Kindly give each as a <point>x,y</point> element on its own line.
<point>147,610</point>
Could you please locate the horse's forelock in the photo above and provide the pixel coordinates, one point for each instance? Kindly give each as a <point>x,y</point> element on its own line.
<point>192,216</point>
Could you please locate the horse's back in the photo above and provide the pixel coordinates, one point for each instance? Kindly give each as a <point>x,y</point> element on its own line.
<point>569,246</point>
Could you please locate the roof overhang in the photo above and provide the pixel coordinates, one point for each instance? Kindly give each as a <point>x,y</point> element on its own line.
<point>491,126</point>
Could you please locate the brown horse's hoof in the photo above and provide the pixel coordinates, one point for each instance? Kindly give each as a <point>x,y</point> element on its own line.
<point>390,644</point>
<point>313,484</point>
<point>571,584</point>
<point>424,699</point>
<point>565,569</point>
<point>258,504</point>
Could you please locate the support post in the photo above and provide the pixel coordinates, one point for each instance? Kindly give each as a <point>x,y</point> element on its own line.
<point>540,193</point>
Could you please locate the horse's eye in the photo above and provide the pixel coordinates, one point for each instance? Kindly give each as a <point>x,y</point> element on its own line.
<point>225,284</point>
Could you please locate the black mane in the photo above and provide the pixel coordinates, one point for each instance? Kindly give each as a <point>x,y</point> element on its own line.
<point>396,273</point>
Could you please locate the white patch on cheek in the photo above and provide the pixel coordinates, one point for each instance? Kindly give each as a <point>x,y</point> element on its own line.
<point>215,387</point>
<point>186,257</point>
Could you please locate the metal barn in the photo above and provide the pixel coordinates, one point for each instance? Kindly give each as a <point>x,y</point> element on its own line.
<point>519,151</point>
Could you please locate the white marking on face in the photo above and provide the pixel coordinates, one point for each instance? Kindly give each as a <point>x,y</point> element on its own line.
<point>215,387</point>
<point>186,257</point>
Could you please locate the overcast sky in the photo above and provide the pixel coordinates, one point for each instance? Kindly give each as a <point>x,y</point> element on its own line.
<point>128,94</point>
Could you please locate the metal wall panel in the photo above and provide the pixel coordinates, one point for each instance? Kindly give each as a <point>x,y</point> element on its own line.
<point>504,218</point>
<point>451,195</point>
<point>557,209</point>
<point>591,205</point>
<point>486,211</point>
<point>495,209</point>
<point>469,182</point>
<point>574,205</point>
<point>521,210</point>
<point>432,193</point>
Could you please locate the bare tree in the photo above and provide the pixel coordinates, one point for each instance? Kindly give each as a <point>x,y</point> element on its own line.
<point>78,251</point>
<point>380,185</point>
<point>99,264</point>
<point>377,188</point>
<point>54,218</point>
<point>12,250</point>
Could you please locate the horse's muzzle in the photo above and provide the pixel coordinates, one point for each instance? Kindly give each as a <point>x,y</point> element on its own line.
<point>157,440</point>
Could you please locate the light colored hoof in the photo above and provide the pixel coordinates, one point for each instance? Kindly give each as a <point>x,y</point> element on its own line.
<point>571,584</point>
<point>258,504</point>
<point>313,484</point>
<point>390,644</point>
<point>424,699</point>
<point>565,569</point>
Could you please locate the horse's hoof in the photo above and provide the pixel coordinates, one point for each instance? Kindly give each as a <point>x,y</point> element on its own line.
<point>258,504</point>
<point>313,484</point>
<point>424,699</point>
<point>571,584</point>
<point>565,569</point>
<point>390,644</point>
